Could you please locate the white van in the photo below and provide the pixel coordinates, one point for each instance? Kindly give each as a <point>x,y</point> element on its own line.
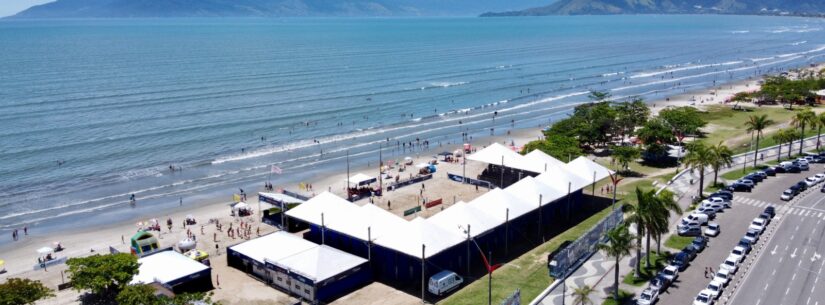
<point>443,282</point>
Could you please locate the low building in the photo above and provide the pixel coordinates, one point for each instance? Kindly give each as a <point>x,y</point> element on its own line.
<point>173,271</point>
<point>316,273</point>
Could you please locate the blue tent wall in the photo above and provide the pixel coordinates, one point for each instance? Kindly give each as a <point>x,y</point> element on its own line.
<point>338,286</point>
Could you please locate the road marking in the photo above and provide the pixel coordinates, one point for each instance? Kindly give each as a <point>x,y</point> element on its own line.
<point>781,258</point>
<point>809,300</point>
<point>787,290</point>
<point>793,277</point>
<point>772,274</point>
<point>766,287</point>
<point>773,252</point>
<point>794,253</point>
<point>797,228</point>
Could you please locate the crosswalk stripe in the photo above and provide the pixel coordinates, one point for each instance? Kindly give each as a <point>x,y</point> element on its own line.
<point>791,211</point>
<point>760,204</point>
<point>808,213</point>
<point>820,215</point>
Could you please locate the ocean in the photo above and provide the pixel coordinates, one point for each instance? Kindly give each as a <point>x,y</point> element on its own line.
<point>92,111</point>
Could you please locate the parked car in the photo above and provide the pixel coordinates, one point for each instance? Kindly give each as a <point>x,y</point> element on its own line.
<point>794,169</point>
<point>758,224</point>
<point>780,169</point>
<point>731,264</point>
<point>443,282</point>
<point>660,283</point>
<point>739,252</point>
<point>789,194</point>
<point>745,243</point>
<point>822,189</point>
<point>703,298</point>
<point>711,212</point>
<point>722,276</point>
<point>811,181</point>
<point>820,176</point>
<point>761,174</point>
<point>753,177</point>
<point>752,235</point>
<point>712,229</point>
<point>715,289</point>
<point>766,217</point>
<point>802,186</point>
<point>690,251</point>
<point>699,243</point>
<point>770,210</point>
<point>690,231</point>
<point>694,219</point>
<point>671,273</point>
<point>681,261</point>
<point>717,207</point>
<point>769,171</point>
<point>802,166</point>
<point>724,194</point>
<point>747,182</point>
<point>739,187</point>
<point>648,296</point>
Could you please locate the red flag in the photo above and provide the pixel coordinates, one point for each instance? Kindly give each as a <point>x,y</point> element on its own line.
<point>490,269</point>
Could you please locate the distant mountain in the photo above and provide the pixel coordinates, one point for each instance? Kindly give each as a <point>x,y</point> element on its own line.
<point>268,8</point>
<point>608,7</point>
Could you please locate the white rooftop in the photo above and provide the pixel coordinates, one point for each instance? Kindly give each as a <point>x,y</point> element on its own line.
<point>273,246</point>
<point>460,215</point>
<point>358,178</point>
<point>409,238</point>
<point>502,205</point>
<point>333,208</point>
<point>498,154</point>
<point>281,197</point>
<point>586,169</point>
<point>561,179</point>
<point>528,189</point>
<point>542,161</point>
<point>320,263</point>
<point>165,266</point>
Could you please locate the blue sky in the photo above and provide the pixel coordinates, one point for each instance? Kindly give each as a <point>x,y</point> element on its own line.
<point>11,7</point>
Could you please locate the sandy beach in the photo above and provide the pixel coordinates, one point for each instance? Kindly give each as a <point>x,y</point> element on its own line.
<point>238,288</point>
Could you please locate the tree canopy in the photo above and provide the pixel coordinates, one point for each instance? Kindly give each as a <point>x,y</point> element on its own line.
<point>624,155</point>
<point>145,295</point>
<point>16,291</point>
<point>559,146</point>
<point>685,120</point>
<point>102,274</point>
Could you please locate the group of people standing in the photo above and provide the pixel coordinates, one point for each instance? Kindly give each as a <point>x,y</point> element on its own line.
<point>15,235</point>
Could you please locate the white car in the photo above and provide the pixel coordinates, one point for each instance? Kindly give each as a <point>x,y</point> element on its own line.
<point>715,289</point>
<point>752,236</point>
<point>671,273</point>
<point>648,297</point>
<point>723,276</point>
<point>758,224</point>
<point>747,182</point>
<point>787,195</point>
<point>739,252</point>
<point>820,176</point>
<point>720,200</point>
<point>703,298</point>
<point>730,264</point>
<point>718,207</point>
<point>711,212</point>
<point>712,229</point>
<point>802,161</point>
<point>811,181</point>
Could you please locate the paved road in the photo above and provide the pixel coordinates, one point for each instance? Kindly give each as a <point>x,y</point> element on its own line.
<point>789,268</point>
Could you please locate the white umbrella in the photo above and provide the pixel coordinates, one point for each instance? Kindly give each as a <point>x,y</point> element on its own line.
<point>422,165</point>
<point>186,244</point>
<point>45,250</point>
<point>240,205</point>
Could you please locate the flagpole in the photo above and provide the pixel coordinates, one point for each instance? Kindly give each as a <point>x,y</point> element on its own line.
<point>348,195</point>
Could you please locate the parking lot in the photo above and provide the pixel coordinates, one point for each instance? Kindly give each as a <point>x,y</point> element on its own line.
<point>734,223</point>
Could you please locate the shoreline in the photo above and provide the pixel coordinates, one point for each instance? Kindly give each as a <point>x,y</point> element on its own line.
<point>80,241</point>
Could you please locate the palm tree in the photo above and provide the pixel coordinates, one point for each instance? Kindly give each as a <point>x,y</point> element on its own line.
<point>791,135</point>
<point>756,124</point>
<point>820,122</point>
<point>619,244</point>
<point>582,295</point>
<point>721,155</point>
<point>699,156</point>
<point>640,215</point>
<point>779,138</point>
<point>800,120</point>
<point>664,205</point>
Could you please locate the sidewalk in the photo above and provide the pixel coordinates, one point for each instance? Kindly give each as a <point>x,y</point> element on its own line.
<point>597,271</point>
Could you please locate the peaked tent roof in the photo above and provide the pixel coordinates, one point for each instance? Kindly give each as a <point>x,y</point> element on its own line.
<point>409,238</point>
<point>320,262</point>
<point>369,216</point>
<point>542,161</point>
<point>528,189</point>
<point>360,178</point>
<point>495,153</point>
<point>333,207</point>
<point>560,179</point>
<point>165,267</point>
<point>585,168</point>
<point>458,216</point>
<point>497,202</point>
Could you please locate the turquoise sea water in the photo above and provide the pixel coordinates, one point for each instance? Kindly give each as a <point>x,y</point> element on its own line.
<point>115,102</point>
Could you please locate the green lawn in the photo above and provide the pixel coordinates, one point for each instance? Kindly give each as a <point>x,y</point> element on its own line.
<point>624,297</point>
<point>677,242</point>
<point>657,262</point>
<point>528,272</point>
<point>738,173</point>
<point>730,123</point>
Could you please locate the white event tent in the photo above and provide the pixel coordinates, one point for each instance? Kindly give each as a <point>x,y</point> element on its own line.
<point>461,215</point>
<point>588,169</point>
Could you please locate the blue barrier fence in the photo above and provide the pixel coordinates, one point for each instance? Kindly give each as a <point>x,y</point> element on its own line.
<point>459,178</point>
<point>562,263</point>
<point>409,182</point>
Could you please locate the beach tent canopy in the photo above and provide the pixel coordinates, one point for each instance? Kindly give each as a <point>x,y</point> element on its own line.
<point>459,216</point>
<point>529,189</point>
<point>445,153</point>
<point>497,203</point>
<point>320,263</point>
<point>333,207</point>
<point>45,250</point>
<point>278,197</point>
<point>368,221</point>
<point>409,238</point>
<point>361,179</point>
<point>542,161</point>
<point>586,169</point>
<point>498,154</point>
<point>820,92</point>
<point>165,267</point>
<point>240,206</point>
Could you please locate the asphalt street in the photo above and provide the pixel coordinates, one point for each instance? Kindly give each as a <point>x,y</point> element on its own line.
<point>789,268</point>
<point>734,223</point>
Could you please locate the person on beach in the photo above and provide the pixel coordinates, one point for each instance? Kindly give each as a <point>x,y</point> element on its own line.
<point>25,230</point>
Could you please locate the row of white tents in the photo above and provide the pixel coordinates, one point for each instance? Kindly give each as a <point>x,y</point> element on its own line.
<point>554,181</point>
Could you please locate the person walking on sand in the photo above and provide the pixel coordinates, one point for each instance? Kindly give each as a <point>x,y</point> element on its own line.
<point>25,230</point>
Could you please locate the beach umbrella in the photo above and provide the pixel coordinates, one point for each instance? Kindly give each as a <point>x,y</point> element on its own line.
<point>422,165</point>
<point>186,244</point>
<point>45,250</point>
